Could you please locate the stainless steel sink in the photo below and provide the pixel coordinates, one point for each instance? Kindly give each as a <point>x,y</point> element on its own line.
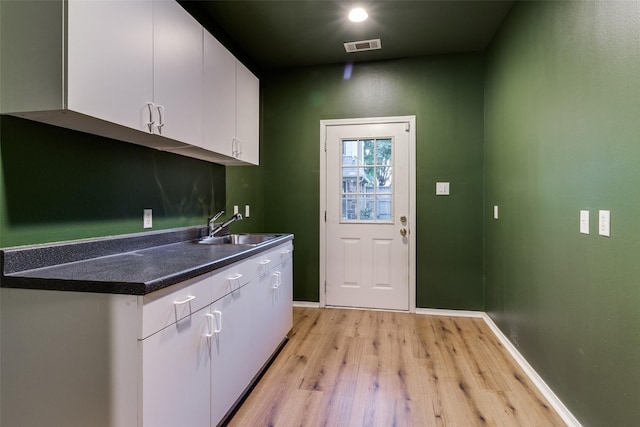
<point>238,239</point>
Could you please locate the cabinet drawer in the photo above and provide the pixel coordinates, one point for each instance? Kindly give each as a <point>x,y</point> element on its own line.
<point>264,261</point>
<point>235,276</point>
<point>167,306</point>
<point>229,279</point>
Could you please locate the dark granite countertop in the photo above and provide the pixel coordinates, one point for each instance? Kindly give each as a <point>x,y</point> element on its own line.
<point>135,264</point>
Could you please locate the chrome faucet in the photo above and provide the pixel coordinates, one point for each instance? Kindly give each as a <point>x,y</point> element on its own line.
<point>211,221</point>
<point>214,230</point>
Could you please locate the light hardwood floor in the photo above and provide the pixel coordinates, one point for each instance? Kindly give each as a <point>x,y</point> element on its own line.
<point>375,368</point>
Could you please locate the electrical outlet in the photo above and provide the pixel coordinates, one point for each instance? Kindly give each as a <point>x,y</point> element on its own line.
<point>604,223</point>
<point>235,209</point>
<point>442,188</point>
<point>246,211</point>
<point>147,218</point>
<point>584,222</point>
<point>495,212</point>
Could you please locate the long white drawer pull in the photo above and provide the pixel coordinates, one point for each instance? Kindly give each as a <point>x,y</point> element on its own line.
<point>235,276</point>
<point>186,300</point>
<point>278,282</point>
<point>159,126</point>
<point>265,261</point>
<point>211,319</point>
<point>219,313</point>
<point>151,122</point>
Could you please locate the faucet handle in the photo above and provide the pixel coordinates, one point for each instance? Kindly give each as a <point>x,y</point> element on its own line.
<point>216,216</point>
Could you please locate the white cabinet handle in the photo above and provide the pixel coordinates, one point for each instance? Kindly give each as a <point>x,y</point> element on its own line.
<point>265,261</point>
<point>160,109</point>
<point>212,321</point>
<point>186,300</point>
<point>234,281</point>
<point>219,329</point>
<point>239,149</point>
<point>278,280</point>
<point>151,122</point>
<point>236,148</point>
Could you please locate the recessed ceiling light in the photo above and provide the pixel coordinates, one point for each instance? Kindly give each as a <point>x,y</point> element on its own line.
<point>358,14</point>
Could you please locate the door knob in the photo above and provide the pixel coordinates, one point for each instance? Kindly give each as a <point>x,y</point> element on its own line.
<point>403,218</point>
<point>403,232</point>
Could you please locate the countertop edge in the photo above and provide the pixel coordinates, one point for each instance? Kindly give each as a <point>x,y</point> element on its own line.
<point>20,279</point>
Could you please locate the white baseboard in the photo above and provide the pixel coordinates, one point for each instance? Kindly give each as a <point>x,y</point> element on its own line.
<point>546,391</point>
<point>537,380</point>
<point>306,304</point>
<point>443,312</point>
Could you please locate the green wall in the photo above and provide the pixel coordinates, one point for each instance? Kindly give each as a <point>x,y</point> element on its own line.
<point>559,113</point>
<point>245,187</point>
<point>446,95</point>
<point>58,184</point>
<point>562,131</point>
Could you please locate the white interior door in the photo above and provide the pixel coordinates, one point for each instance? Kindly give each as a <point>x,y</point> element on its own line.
<point>367,184</point>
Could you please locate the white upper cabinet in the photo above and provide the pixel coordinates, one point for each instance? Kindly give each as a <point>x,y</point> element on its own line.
<point>177,73</point>
<point>136,71</point>
<point>231,105</point>
<point>247,114</point>
<point>219,97</point>
<point>110,60</point>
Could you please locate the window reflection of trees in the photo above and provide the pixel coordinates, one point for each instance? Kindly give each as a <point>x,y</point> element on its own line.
<point>367,177</point>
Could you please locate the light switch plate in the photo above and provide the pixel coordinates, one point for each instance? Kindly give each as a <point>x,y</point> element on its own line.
<point>235,209</point>
<point>147,218</point>
<point>442,188</point>
<point>604,223</point>
<point>584,222</point>
<point>495,212</point>
<point>246,211</point>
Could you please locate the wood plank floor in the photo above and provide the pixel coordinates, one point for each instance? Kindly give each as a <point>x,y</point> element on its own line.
<point>375,368</point>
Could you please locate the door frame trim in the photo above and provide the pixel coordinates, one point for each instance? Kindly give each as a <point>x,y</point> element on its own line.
<point>324,124</point>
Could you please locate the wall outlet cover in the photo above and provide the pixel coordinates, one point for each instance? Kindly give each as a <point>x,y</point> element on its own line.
<point>604,223</point>
<point>584,222</point>
<point>442,188</point>
<point>147,218</point>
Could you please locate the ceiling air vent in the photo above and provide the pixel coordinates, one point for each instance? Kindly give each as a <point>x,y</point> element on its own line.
<point>362,45</point>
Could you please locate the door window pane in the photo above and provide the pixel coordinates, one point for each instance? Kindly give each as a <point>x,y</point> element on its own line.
<point>367,177</point>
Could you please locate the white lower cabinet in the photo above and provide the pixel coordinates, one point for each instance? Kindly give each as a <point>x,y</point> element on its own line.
<point>244,320</point>
<point>175,355</point>
<point>181,356</point>
<point>281,299</point>
<point>229,351</point>
<point>194,370</point>
<point>175,374</point>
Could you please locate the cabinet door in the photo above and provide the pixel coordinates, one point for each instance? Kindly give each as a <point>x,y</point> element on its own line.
<point>265,334</point>
<point>176,374</point>
<point>219,97</point>
<point>230,351</point>
<point>273,306</point>
<point>110,58</point>
<point>282,299</point>
<point>248,114</point>
<point>177,73</point>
